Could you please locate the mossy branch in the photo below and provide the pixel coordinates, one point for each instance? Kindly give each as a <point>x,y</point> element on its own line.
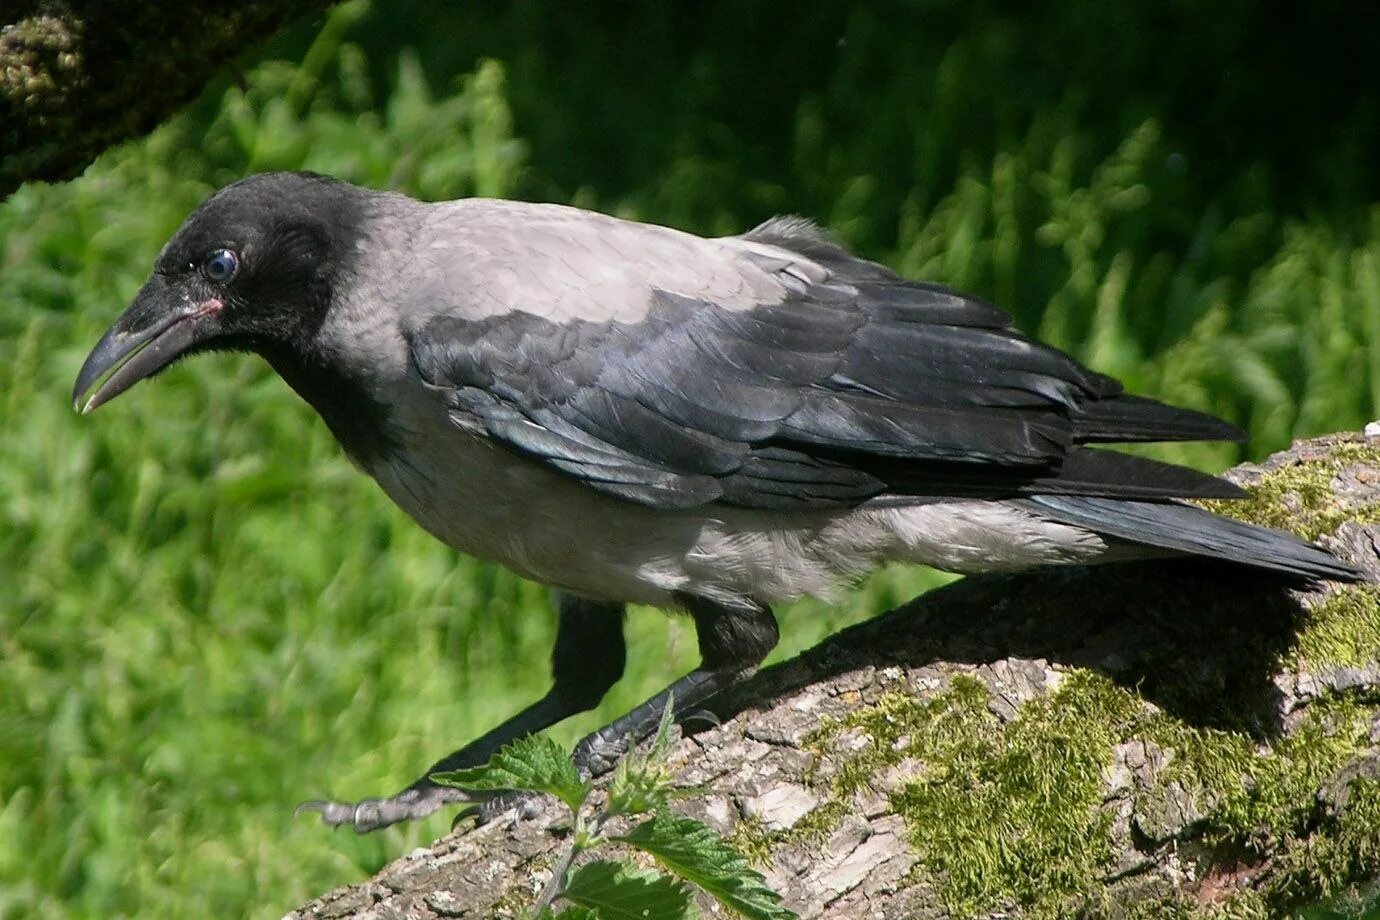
<point>77,76</point>
<point>1139,740</point>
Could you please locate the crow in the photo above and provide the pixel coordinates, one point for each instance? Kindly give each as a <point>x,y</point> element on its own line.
<point>632,414</point>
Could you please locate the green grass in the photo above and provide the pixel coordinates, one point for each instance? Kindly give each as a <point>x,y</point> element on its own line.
<point>208,616</point>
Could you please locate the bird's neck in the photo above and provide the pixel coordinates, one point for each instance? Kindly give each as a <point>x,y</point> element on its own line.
<point>359,421</point>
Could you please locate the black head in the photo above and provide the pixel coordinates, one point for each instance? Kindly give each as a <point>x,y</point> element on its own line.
<point>256,267</point>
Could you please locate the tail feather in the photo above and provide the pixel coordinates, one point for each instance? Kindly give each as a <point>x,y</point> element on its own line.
<point>1125,419</point>
<point>1191,530</point>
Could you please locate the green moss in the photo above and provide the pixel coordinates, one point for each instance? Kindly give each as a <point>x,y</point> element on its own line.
<point>999,813</point>
<point>1006,814</point>
<point>757,843</point>
<point>752,839</point>
<point>1257,794</point>
<point>1344,629</point>
<point>1246,904</point>
<point>956,721</point>
<point>1340,855</point>
<point>815,827</point>
<point>1298,498</point>
<point>516,902</point>
<point>952,717</point>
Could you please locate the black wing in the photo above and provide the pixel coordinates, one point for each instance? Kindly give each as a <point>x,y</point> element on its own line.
<point>867,385</point>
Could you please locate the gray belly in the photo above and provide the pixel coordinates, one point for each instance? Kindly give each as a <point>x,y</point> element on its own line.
<point>487,502</point>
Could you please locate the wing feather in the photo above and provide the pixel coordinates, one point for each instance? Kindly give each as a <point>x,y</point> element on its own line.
<point>844,383</point>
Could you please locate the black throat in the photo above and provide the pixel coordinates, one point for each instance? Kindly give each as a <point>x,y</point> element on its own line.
<point>359,422</point>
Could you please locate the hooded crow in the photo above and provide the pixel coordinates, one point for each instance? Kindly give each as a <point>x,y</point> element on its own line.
<point>632,414</point>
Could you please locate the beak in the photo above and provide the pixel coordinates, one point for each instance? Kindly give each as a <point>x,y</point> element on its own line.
<point>158,328</point>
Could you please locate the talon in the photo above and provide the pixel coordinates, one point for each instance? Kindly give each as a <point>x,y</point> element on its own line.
<point>703,715</point>
<point>310,805</point>
<point>472,811</point>
<point>333,814</point>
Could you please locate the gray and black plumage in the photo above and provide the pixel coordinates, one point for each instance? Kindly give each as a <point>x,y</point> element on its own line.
<point>629,413</point>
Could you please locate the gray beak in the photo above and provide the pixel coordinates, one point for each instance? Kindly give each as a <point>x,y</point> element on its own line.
<point>147,337</point>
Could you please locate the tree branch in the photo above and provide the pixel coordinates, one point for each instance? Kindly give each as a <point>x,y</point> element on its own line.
<point>77,77</point>
<point>1067,740</point>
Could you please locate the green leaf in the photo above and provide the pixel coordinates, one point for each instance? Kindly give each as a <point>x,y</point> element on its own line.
<point>576,912</point>
<point>617,891</point>
<point>571,912</point>
<point>661,741</point>
<point>642,782</point>
<point>637,788</point>
<point>534,764</point>
<point>693,851</point>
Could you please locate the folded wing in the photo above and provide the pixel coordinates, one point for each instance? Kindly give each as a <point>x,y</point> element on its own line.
<point>835,381</point>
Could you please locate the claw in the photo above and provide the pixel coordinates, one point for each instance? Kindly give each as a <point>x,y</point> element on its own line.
<point>704,715</point>
<point>311,805</point>
<point>332,813</point>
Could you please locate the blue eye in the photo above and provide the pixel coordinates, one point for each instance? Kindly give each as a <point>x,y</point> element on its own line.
<point>221,266</point>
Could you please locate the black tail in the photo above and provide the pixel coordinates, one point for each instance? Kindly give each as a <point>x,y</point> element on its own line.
<point>1191,530</point>
<point>1123,419</point>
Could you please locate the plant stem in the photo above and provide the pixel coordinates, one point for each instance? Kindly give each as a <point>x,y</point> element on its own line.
<point>556,885</point>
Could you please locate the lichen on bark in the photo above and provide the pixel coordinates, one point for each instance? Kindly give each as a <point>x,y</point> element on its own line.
<point>77,76</point>
<point>1143,740</point>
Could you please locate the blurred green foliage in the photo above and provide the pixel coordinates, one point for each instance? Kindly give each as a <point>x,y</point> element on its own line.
<point>208,616</point>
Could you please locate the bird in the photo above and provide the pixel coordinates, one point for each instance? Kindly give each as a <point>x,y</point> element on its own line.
<point>632,414</point>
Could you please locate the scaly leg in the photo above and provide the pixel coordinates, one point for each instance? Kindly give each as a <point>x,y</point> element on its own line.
<point>733,640</point>
<point>587,660</point>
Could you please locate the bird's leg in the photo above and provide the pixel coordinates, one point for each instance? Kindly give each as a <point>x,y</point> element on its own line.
<point>587,660</point>
<point>733,640</point>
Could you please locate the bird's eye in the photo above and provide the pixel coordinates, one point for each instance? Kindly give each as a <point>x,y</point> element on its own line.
<point>221,266</point>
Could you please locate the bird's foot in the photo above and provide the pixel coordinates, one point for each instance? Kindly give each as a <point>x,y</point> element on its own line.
<point>372,814</point>
<point>600,752</point>
<point>526,805</point>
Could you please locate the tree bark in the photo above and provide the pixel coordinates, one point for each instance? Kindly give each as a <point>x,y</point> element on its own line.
<point>77,76</point>
<point>1114,741</point>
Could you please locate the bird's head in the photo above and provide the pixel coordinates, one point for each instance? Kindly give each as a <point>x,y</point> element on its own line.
<point>254,268</point>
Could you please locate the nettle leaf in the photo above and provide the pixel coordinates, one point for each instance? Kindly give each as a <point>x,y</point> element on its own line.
<point>642,782</point>
<point>617,891</point>
<point>693,851</point>
<point>535,764</point>
<point>572,912</point>
<point>636,789</point>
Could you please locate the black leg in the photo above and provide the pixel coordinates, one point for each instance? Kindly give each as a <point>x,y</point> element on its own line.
<point>733,641</point>
<point>587,660</point>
